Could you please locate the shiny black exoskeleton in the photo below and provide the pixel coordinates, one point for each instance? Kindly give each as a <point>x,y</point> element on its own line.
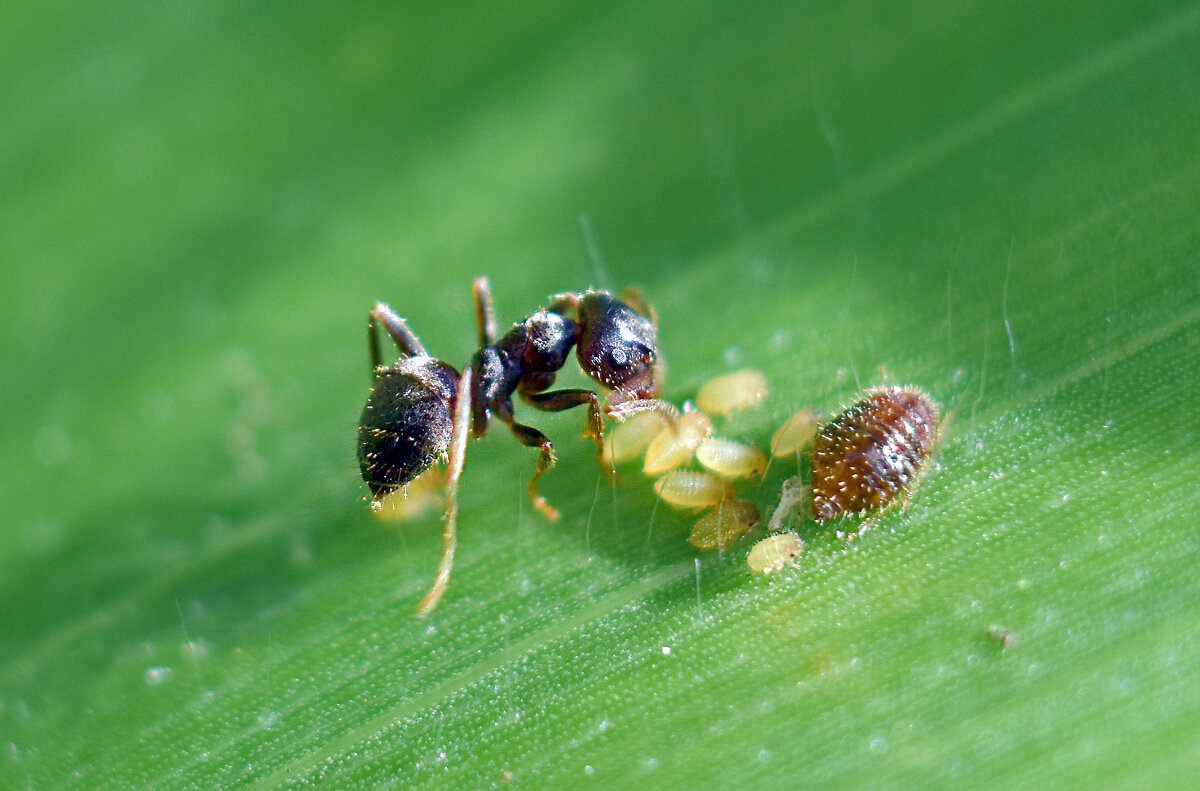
<point>413,416</point>
<point>407,422</point>
<point>615,346</point>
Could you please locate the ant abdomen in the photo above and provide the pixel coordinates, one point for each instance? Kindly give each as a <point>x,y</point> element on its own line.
<point>406,423</point>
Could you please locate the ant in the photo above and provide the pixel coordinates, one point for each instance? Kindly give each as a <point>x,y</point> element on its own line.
<point>421,409</point>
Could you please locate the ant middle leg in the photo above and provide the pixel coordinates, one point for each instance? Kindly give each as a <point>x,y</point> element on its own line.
<point>560,400</point>
<point>405,339</point>
<point>485,312</point>
<point>530,437</point>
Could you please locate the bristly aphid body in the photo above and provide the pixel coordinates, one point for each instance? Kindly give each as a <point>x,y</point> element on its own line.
<point>873,454</point>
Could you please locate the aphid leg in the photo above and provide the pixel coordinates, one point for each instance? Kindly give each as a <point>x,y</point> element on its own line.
<point>485,312</point>
<point>406,341</point>
<point>865,525</point>
<point>454,468</point>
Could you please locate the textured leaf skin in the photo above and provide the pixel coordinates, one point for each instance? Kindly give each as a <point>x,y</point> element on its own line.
<point>995,203</point>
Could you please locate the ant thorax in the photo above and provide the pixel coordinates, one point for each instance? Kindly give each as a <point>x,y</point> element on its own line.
<point>527,358</point>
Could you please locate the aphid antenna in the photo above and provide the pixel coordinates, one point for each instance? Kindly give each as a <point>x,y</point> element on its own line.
<point>762,479</point>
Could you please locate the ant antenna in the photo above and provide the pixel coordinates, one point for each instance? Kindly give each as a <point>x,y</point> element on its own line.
<point>594,253</point>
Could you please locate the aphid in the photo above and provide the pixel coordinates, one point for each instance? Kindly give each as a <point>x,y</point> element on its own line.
<point>775,553</point>
<point>796,432</point>
<point>674,446</point>
<point>873,453</point>
<point>692,489</point>
<point>791,494</point>
<point>730,459</point>
<point>723,525</point>
<point>632,437</point>
<point>732,392</point>
<point>421,409</point>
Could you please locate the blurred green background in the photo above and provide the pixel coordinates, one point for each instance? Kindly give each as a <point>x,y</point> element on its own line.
<point>996,202</point>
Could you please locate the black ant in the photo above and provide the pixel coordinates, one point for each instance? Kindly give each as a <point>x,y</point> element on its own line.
<point>416,415</point>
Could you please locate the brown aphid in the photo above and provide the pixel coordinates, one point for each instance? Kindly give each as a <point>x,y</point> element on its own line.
<point>692,489</point>
<point>775,553</point>
<point>730,459</point>
<point>874,452</point>
<point>732,392</point>
<point>674,446</point>
<point>632,437</point>
<point>796,432</point>
<point>723,525</point>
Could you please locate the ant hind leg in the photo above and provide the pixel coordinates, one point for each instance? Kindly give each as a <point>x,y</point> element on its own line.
<point>405,339</point>
<point>532,438</point>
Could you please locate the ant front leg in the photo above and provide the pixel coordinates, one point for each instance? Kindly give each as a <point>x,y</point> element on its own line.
<point>405,339</point>
<point>530,437</point>
<point>621,407</point>
<point>560,400</point>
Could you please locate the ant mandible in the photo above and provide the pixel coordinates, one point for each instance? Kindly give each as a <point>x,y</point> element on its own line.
<point>416,413</point>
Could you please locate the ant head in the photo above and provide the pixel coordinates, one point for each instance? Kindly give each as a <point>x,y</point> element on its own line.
<point>616,345</point>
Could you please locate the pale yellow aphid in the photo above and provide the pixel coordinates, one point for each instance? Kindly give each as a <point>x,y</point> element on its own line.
<point>691,489</point>
<point>420,495</point>
<point>674,446</point>
<point>723,525</point>
<point>732,392</point>
<point>730,459</point>
<point>775,553</point>
<point>632,437</point>
<point>791,494</point>
<point>796,432</point>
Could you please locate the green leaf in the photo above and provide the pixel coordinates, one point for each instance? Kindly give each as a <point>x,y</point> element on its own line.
<point>995,203</point>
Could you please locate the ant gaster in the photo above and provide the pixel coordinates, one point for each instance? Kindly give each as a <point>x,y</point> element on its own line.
<point>416,412</point>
